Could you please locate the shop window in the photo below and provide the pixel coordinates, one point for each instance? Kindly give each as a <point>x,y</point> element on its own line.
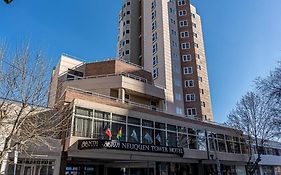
<point>100,128</point>
<point>182,140</point>
<point>118,118</point>
<point>160,137</point>
<point>133,134</point>
<point>147,135</point>
<point>82,127</point>
<point>147,123</point>
<point>132,120</point>
<point>201,138</point>
<point>171,139</point>
<point>84,111</point>
<point>102,115</point>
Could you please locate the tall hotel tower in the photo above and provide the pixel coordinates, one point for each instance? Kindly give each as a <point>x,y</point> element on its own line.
<point>165,38</point>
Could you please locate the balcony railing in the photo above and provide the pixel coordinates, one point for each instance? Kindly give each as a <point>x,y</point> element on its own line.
<point>132,76</point>
<point>131,103</point>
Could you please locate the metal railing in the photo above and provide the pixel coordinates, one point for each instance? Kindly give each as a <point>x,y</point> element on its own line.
<point>132,76</point>
<point>128,102</point>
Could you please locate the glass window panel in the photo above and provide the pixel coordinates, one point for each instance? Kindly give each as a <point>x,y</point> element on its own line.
<point>183,140</point>
<point>133,134</point>
<point>160,137</point>
<point>160,125</point>
<point>82,127</point>
<point>192,142</point>
<point>100,128</point>
<point>237,148</point>
<point>147,136</point>
<point>191,131</point>
<point>221,145</point>
<point>213,142</point>
<point>171,127</point>
<point>147,123</point>
<point>102,115</point>
<point>201,141</point>
<point>220,136</point>
<point>119,118</point>
<point>236,139</point>
<point>133,120</point>
<point>118,131</point>
<point>182,129</point>
<point>230,146</point>
<point>84,111</point>
<point>171,139</point>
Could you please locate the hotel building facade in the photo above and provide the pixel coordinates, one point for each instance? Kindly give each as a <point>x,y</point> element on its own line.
<point>148,112</point>
<point>165,37</point>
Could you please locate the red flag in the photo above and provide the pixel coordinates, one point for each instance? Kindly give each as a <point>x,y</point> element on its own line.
<point>108,133</point>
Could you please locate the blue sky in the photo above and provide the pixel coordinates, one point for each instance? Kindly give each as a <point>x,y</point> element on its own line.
<point>242,37</point>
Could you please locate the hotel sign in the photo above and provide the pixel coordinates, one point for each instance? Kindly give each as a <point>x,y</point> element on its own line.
<point>127,146</point>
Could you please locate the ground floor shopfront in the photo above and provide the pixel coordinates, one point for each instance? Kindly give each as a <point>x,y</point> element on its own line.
<point>84,167</point>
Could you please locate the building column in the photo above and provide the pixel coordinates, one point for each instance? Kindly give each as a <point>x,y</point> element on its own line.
<point>121,94</point>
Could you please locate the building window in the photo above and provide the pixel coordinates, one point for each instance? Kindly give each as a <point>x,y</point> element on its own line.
<point>127,31</point>
<point>185,46</point>
<point>128,3</point>
<point>154,36</point>
<point>178,96</point>
<point>191,112</point>
<point>184,34</point>
<point>127,52</point>
<point>153,15</point>
<point>199,67</point>
<point>189,83</point>
<point>182,12</point>
<point>187,70</point>
<point>154,48</point>
<point>193,15</point>
<point>186,58</point>
<point>195,35</point>
<point>178,83</point>
<point>128,22</point>
<point>153,25</point>
<point>196,45</point>
<point>155,73</point>
<point>203,104</point>
<point>128,12</point>
<point>202,91</point>
<point>190,97</point>
<point>183,23</point>
<point>173,21</point>
<point>178,111</point>
<point>194,25</point>
<point>181,2</point>
<point>153,5</point>
<point>155,60</point>
<point>200,79</point>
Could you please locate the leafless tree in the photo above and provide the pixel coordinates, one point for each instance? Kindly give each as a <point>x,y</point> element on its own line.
<point>255,117</point>
<point>270,87</point>
<point>24,118</point>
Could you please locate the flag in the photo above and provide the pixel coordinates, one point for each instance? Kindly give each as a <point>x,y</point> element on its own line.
<point>134,135</point>
<point>148,138</point>
<point>158,138</point>
<point>108,133</point>
<point>119,133</point>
